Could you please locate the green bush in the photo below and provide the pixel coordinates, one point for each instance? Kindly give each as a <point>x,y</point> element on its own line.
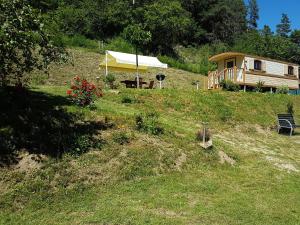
<point>110,79</point>
<point>228,85</point>
<point>127,99</point>
<point>290,107</point>
<point>179,64</point>
<point>120,44</point>
<point>82,92</point>
<point>259,86</point>
<point>149,123</point>
<point>80,41</point>
<point>225,113</point>
<point>83,143</point>
<point>121,138</point>
<point>282,90</point>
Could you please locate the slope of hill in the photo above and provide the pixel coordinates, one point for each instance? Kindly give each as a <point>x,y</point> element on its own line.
<point>135,177</point>
<point>86,64</point>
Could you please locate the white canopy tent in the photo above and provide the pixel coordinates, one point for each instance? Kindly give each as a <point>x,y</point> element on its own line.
<point>130,62</point>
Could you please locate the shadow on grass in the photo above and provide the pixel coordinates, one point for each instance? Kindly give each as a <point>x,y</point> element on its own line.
<point>38,123</point>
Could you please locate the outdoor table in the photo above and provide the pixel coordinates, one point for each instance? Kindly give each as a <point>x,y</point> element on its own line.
<point>132,83</point>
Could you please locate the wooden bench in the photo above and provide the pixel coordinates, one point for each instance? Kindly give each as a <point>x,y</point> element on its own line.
<point>286,121</point>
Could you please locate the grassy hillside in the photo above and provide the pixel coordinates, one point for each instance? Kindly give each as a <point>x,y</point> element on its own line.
<point>86,64</point>
<point>135,177</point>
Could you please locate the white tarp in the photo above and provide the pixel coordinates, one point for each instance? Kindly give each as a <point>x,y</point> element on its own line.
<point>130,59</point>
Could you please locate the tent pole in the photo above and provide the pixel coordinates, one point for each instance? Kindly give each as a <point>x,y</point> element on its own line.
<point>106,67</point>
<point>137,69</point>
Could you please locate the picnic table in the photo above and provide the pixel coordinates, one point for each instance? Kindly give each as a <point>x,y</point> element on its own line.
<point>132,83</point>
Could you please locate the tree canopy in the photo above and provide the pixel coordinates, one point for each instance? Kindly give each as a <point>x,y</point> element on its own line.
<point>169,23</point>
<point>24,43</point>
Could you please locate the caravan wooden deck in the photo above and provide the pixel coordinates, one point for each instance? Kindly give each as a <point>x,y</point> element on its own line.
<point>248,70</point>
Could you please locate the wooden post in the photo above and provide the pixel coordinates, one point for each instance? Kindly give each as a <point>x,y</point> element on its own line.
<point>244,88</point>
<point>235,74</point>
<point>204,129</point>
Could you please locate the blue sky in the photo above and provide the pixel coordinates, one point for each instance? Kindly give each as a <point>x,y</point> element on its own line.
<point>270,12</point>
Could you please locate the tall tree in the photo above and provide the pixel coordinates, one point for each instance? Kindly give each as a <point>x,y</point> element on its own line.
<point>284,28</point>
<point>253,14</point>
<point>168,23</point>
<point>217,20</point>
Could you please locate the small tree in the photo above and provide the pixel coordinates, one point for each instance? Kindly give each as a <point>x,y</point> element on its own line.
<point>24,43</point>
<point>137,35</point>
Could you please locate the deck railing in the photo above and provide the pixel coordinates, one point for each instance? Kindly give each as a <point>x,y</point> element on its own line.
<point>236,75</point>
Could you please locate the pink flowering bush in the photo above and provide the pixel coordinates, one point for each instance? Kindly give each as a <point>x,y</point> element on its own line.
<point>82,92</point>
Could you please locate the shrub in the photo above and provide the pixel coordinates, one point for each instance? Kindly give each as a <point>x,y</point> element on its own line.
<point>82,92</point>
<point>80,41</point>
<point>121,138</point>
<point>82,143</point>
<point>110,79</point>
<point>259,86</point>
<point>290,107</point>
<point>120,44</point>
<point>225,113</point>
<point>282,90</point>
<point>200,134</point>
<point>139,122</point>
<point>149,123</point>
<point>228,85</point>
<point>127,99</point>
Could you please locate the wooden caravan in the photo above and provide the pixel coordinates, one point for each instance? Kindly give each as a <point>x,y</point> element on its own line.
<point>248,70</point>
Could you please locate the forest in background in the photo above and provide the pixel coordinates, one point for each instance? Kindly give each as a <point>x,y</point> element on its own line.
<point>174,29</point>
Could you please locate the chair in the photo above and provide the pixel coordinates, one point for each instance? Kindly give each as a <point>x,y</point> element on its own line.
<point>151,84</point>
<point>140,82</point>
<point>286,121</point>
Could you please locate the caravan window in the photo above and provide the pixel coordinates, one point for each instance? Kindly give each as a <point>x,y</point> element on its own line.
<point>257,64</point>
<point>290,70</point>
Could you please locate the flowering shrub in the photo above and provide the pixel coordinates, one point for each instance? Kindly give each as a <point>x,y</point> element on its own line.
<point>82,92</point>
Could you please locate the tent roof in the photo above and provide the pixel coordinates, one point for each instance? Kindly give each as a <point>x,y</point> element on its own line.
<point>125,61</point>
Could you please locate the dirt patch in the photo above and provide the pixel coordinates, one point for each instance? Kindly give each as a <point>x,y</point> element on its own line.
<point>224,158</point>
<point>287,166</point>
<point>261,130</point>
<point>29,162</point>
<point>180,160</point>
<point>180,135</point>
<point>282,165</point>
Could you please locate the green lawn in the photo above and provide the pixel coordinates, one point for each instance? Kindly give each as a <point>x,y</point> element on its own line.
<point>153,179</point>
<point>165,179</point>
